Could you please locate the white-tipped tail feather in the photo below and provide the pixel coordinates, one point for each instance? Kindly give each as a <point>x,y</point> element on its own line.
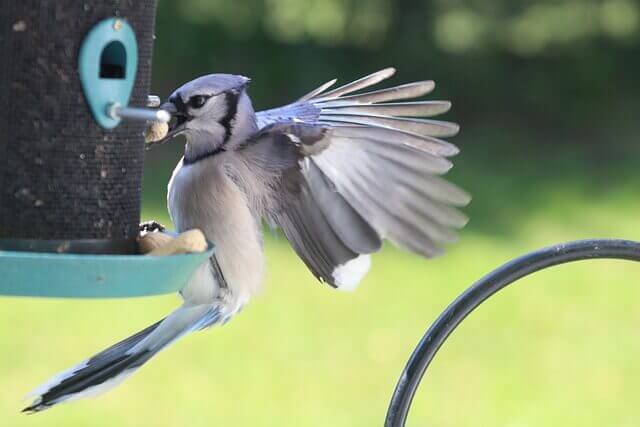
<point>39,404</point>
<point>110,367</point>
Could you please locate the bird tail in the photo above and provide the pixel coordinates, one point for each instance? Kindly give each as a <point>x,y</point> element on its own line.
<point>110,367</point>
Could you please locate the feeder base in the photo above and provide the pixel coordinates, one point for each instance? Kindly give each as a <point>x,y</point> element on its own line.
<point>37,274</point>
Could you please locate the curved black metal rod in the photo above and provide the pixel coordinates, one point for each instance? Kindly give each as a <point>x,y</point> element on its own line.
<point>484,288</point>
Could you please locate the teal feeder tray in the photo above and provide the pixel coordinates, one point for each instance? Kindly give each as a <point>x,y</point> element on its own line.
<point>38,274</point>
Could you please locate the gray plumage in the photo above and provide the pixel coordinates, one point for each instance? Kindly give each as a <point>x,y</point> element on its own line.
<point>337,171</point>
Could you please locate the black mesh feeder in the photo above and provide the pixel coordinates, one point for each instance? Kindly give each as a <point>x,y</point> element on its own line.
<point>75,81</point>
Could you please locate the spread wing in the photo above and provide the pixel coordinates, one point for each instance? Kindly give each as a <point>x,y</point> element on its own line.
<point>347,170</point>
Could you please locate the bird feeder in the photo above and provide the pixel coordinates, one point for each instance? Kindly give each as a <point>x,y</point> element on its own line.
<point>75,83</point>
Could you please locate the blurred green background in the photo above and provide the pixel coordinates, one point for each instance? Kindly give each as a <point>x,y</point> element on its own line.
<point>547,96</point>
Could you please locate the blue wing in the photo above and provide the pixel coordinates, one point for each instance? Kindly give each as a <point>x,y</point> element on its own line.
<point>340,107</point>
<point>357,168</point>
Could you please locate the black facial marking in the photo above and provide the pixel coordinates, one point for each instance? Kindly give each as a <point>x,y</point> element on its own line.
<point>181,115</point>
<point>177,101</point>
<point>231,98</point>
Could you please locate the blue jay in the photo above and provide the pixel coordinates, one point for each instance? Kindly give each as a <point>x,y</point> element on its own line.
<point>337,170</point>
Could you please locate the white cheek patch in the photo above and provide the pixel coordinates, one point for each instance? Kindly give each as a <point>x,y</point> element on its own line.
<point>347,276</point>
<point>207,118</point>
<point>216,108</point>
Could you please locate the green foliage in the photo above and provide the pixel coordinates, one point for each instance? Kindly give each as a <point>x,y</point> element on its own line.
<point>531,28</point>
<point>566,69</point>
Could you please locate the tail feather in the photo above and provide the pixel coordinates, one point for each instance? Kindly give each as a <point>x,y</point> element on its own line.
<point>86,378</point>
<point>110,367</point>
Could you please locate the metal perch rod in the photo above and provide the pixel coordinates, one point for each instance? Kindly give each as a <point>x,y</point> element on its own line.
<point>477,293</point>
<point>115,111</point>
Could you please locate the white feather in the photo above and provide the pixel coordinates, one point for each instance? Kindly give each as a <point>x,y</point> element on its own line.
<point>347,276</point>
<point>100,388</point>
<point>54,381</point>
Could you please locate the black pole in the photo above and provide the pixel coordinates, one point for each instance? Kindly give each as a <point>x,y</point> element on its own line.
<point>477,293</point>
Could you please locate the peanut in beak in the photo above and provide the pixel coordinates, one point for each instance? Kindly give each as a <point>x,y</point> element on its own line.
<point>155,132</point>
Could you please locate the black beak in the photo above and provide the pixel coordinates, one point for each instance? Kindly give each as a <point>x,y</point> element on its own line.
<point>169,107</point>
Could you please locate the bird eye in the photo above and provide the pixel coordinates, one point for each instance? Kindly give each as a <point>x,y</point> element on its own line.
<point>198,101</point>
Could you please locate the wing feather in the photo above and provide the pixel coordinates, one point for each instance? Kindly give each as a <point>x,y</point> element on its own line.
<point>348,225</point>
<point>403,109</point>
<point>317,91</point>
<point>366,167</point>
<point>311,235</point>
<point>435,128</point>
<point>406,91</point>
<point>428,144</point>
<point>361,83</point>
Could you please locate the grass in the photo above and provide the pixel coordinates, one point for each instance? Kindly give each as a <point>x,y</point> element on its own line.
<point>560,348</point>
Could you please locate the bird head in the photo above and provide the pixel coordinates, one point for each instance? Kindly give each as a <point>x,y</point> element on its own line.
<point>210,111</point>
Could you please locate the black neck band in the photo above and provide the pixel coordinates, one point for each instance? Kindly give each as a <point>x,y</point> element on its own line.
<point>196,159</point>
